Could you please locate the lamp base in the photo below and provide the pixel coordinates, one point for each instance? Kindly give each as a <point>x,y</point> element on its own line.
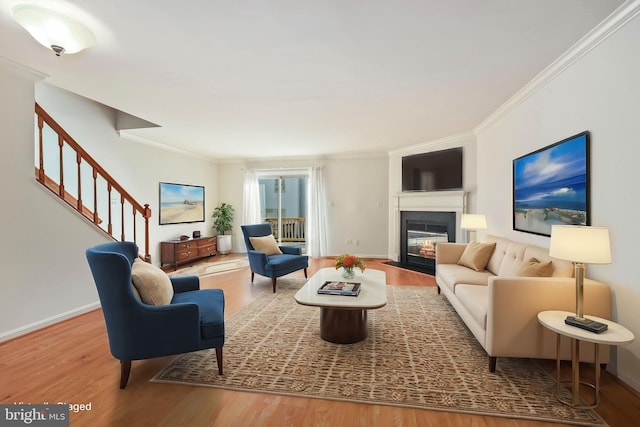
<point>586,324</point>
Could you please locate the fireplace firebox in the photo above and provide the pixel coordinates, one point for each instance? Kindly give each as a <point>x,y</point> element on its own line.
<point>420,232</point>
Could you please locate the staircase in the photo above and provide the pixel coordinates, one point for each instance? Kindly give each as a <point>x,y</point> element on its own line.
<point>70,173</point>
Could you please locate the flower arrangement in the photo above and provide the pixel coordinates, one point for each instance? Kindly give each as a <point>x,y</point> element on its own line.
<point>348,263</point>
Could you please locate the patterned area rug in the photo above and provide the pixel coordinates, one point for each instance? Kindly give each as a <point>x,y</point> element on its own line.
<point>204,269</point>
<point>418,354</point>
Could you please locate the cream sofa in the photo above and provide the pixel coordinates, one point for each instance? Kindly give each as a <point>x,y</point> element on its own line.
<point>501,309</point>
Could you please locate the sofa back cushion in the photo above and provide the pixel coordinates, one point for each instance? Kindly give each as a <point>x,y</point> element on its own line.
<point>509,256</point>
<point>498,253</point>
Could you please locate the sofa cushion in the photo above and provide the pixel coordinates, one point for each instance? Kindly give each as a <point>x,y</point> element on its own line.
<point>498,253</point>
<point>513,258</point>
<point>560,267</point>
<point>476,300</point>
<point>534,268</point>
<point>152,283</point>
<point>266,244</point>
<point>453,274</point>
<point>476,255</point>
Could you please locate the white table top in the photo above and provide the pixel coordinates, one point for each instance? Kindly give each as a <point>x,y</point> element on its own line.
<point>614,335</point>
<point>373,291</point>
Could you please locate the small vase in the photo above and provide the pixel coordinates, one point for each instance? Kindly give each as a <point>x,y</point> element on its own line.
<point>348,273</point>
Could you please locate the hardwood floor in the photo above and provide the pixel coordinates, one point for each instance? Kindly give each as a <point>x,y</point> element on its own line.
<point>70,362</point>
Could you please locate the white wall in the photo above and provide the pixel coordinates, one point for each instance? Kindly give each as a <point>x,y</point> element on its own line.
<point>45,274</point>
<point>600,93</point>
<point>357,192</point>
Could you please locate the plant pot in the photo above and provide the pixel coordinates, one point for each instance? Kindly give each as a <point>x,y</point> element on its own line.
<point>224,244</point>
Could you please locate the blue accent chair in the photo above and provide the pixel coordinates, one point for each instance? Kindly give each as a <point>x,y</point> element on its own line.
<point>272,266</point>
<point>194,320</point>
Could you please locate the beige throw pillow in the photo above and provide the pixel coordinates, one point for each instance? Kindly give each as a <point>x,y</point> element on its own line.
<point>476,255</point>
<point>152,283</point>
<point>534,268</point>
<point>266,244</point>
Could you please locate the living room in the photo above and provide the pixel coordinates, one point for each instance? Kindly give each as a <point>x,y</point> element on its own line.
<point>592,87</point>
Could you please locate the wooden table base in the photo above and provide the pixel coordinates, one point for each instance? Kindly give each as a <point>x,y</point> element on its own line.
<point>343,326</point>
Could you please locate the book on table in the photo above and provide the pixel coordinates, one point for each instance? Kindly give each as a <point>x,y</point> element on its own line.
<point>351,289</point>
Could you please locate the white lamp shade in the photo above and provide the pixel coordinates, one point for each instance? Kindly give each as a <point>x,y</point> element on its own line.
<point>473,222</point>
<point>577,243</point>
<point>51,28</point>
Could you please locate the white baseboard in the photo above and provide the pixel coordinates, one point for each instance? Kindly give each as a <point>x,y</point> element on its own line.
<point>5,336</point>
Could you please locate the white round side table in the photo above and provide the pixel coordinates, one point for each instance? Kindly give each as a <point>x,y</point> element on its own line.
<point>614,335</point>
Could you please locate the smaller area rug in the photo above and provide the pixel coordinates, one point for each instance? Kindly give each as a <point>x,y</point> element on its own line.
<point>206,268</point>
<point>418,354</point>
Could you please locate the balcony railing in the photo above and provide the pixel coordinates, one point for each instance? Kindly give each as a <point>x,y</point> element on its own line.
<point>293,229</point>
<point>63,167</point>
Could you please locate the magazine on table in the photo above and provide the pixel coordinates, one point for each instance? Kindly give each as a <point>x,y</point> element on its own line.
<point>351,289</point>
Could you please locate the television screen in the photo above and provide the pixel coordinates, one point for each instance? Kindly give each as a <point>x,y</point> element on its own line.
<point>434,171</point>
<point>181,203</point>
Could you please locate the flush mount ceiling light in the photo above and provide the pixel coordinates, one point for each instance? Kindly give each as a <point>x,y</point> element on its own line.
<point>54,30</point>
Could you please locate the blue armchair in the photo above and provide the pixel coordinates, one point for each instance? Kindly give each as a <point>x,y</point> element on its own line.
<point>194,320</point>
<point>272,266</point>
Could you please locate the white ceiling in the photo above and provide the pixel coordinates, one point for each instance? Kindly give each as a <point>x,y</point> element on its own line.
<point>274,78</point>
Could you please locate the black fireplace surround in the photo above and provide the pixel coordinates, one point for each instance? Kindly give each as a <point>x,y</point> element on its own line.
<point>424,221</point>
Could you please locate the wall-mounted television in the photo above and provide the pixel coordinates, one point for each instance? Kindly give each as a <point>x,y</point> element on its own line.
<point>551,186</point>
<point>433,171</point>
<point>181,203</point>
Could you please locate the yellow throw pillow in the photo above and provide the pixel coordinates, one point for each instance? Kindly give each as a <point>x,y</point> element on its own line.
<point>476,255</point>
<point>266,244</point>
<point>152,283</point>
<point>534,268</point>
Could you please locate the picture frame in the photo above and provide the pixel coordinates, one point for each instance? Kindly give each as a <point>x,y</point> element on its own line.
<point>181,203</point>
<point>551,186</point>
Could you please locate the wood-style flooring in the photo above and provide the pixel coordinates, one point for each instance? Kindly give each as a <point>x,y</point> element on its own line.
<point>70,363</point>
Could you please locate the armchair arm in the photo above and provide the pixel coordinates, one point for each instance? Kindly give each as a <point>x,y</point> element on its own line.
<point>257,261</point>
<point>513,305</point>
<point>291,250</point>
<point>185,283</point>
<point>449,253</point>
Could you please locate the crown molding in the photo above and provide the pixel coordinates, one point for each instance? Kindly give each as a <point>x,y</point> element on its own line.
<point>445,140</point>
<point>618,19</point>
<point>21,70</point>
<point>140,140</point>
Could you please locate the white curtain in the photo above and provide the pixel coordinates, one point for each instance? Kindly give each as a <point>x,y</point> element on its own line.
<point>251,198</point>
<point>316,214</point>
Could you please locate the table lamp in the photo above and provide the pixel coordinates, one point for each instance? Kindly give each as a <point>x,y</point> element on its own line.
<point>580,245</point>
<point>473,222</point>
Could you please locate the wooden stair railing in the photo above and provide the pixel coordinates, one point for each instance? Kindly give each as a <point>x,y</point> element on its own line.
<point>121,227</point>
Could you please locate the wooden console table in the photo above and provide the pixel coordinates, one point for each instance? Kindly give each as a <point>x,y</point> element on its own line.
<point>177,252</point>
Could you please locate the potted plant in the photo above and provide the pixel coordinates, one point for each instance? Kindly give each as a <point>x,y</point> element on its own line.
<point>223,222</point>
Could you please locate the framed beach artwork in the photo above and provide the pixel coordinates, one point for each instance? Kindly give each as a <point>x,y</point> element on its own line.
<point>181,203</point>
<point>551,186</point>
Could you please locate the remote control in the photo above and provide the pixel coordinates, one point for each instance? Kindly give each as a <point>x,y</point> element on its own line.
<point>586,324</point>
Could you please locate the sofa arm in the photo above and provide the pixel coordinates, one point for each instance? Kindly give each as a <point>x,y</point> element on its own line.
<point>449,253</point>
<point>513,305</point>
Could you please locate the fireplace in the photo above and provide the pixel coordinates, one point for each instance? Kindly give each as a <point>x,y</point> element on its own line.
<point>420,232</point>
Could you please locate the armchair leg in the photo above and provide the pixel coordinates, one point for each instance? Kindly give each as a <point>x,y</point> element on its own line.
<point>125,370</point>
<point>273,283</point>
<point>252,275</point>
<point>492,363</point>
<point>219,359</point>
<point>305,273</point>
